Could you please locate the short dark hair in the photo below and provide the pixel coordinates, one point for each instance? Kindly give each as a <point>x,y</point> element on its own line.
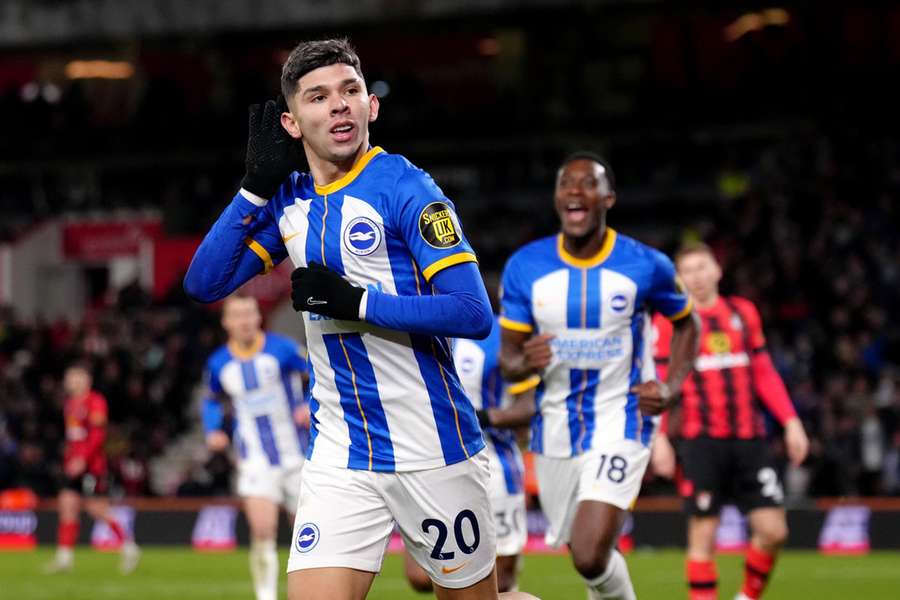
<point>693,247</point>
<point>593,157</point>
<point>309,56</point>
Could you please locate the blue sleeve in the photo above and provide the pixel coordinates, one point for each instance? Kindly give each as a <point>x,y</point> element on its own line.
<point>428,224</point>
<point>515,298</point>
<point>667,294</point>
<point>243,242</point>
<point>460,309</point>
<point>213,417</point>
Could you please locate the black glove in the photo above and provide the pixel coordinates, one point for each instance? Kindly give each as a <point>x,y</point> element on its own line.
<point>324,292</point>
<point>484,419</point>
<point>272,155</point>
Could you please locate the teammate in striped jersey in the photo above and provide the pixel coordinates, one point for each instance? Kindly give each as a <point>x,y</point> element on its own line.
<point>257,374</point>
<point>383,276</point>
<point>575,310</point>
<point>721,424</point>
<point>500,407</point>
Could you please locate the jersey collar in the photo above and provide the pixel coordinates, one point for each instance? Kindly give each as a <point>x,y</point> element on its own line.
<point>347,179</point>
<point>586,263</point>
<point>241,354</point>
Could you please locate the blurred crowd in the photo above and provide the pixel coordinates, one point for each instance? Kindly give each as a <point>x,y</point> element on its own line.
<point>807,229</point>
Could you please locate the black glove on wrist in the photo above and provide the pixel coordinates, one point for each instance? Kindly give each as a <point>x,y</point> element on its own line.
<point>484,419</point>
<point>322,291</point>
<point>272,155</point>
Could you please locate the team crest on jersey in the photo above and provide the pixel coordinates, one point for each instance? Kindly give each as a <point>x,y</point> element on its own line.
<point>467,364</point>
<point>618,303</point>
<point>362,236</point>
<point>437,226</point>
<point>307,537</point>
<point>718,342</point>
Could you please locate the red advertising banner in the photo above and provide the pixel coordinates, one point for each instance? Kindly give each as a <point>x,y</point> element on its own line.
<point>102,240</point>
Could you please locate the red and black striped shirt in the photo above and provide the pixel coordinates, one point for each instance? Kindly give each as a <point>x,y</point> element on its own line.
<point>733,376</point>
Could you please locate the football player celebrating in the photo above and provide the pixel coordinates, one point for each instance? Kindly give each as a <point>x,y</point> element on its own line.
<point>576,312</point>
<point>254,371</point>
<point>384,275</point>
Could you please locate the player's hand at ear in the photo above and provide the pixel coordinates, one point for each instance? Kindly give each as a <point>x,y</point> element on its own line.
<point>320,290</point>
<point>653,397</point>
<point>272,155</point>
<point>538,353</point>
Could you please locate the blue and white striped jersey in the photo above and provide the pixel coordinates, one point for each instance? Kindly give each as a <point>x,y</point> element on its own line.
<point>381,400</point>
<point>598,309</point>
<point>264,394</point>
<point>478,365</point>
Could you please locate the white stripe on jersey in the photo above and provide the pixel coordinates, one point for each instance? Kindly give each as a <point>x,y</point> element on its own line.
<point>269,401</point>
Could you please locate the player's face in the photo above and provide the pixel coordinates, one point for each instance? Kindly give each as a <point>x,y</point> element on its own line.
<point>241,320</point>
<point>331,111</point>
<point>76,382</point>
<point>582,198</point>
<point>701,274</point>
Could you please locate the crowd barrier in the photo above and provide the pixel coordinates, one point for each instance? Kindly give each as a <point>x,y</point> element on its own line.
<point>843,526</point>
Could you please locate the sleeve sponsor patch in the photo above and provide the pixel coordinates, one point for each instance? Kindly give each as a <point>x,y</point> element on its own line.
<point>438,226</point>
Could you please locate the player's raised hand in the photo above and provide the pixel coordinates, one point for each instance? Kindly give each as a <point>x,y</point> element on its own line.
<point>272,155</point>
<point>319,290</point>
<point>795,441</point>
<point>653,397</point>
<point>538,353</point>
<point>217,440</point>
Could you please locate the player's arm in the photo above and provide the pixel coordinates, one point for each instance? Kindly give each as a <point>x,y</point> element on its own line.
<point>667,295</point>
<point>771,390</point>
<point>522,353</point>
<point>518,413</point>
<point>213,416</point>
<point>97,418</point>
<point>244,240</point>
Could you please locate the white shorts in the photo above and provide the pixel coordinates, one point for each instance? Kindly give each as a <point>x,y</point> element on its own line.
<point>281,485</point>
<point>508,509</point>
<point>611,474</point>
<point>345,519</point>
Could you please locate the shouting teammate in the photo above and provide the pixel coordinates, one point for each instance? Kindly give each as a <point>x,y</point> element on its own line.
<point>254,371</point>
<point>724,451</point>
<point>383,276</point>
<point>85,470</point>
<point>499,407</point>
<point>575,312</point>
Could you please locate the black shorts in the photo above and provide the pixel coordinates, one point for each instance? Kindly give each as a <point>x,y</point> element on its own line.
<point>718,472</point>
<point>86,484</point>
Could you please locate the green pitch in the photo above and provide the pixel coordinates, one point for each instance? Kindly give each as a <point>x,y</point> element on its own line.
<point>178,573</point>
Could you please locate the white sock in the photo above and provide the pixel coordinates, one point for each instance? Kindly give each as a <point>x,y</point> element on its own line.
<point>65,555</point>
<point>264,569</point>
<point>614,583</point>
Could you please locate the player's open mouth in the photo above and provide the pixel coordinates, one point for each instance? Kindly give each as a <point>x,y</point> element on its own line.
<point>343,131</point>
<point>576,212</point>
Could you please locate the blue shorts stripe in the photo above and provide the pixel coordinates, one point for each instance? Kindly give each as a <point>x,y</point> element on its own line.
<point>457,425</point>
<point>267,439</point>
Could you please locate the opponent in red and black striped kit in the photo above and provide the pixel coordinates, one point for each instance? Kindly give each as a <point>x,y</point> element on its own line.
<point>84,465</point>
<point>721,425</point>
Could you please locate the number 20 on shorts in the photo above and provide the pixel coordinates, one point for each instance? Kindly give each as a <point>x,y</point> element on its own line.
<point>465,546</point>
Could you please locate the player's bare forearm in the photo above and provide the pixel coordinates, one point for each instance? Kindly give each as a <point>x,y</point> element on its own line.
<point>683,349</point>
<point>513,366</point>
<point>518,414</point>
